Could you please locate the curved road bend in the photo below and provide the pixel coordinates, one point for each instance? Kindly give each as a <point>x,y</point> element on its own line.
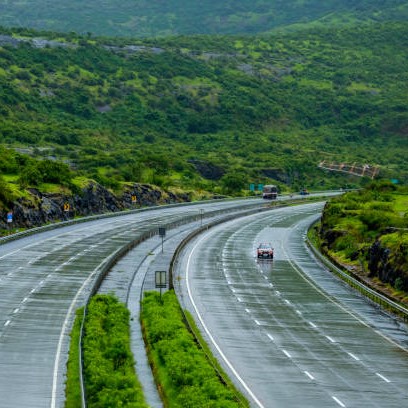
<point>287,331</point>
<point>43,280</point>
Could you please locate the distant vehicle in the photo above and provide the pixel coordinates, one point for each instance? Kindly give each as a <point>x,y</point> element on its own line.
<point>264,250</point>
<point>270,192</point>
<point>304,191</point>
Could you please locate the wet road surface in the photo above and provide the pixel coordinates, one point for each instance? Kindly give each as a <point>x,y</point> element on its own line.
<point>44,278</point>
<point>288,331</point>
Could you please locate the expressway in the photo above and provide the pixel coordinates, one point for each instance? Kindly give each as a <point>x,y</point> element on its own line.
<point>287,331</point>
<point>45,277</point>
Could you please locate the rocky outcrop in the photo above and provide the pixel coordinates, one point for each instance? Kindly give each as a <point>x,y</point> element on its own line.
<point>40,208</point>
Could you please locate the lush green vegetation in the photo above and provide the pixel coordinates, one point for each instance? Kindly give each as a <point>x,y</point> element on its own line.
<point>109,373</point>
<point>158,18</point>
<point>186,376</point>
<point>368,229</point>
<point>205,113</point>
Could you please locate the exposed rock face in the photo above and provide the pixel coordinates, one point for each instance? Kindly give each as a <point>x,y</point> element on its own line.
<point>94,199</point>
<point>388,266</point>
<point>208,170</point>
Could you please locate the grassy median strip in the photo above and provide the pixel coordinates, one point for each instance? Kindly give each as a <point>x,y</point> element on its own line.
<point>109,374</point>
<point>185,375</point>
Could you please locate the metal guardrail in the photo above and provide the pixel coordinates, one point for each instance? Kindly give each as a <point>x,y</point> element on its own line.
<point>358,285</point>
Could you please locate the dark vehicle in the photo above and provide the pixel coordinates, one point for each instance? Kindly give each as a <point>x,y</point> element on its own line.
<point>304,191</point>
<point>264,251</point>
<point>270,192</point>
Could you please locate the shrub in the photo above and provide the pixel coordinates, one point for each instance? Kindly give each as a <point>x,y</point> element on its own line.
<point>186,376</point>
<point>109,375</point>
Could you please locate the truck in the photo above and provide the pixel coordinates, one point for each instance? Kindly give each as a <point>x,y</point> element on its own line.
<point>270,192</point>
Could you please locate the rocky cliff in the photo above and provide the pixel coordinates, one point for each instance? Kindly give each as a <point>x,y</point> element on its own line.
<point>40,208</point>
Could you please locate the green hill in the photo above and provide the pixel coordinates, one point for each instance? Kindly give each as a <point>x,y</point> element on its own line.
<point>200,112</point>
<point>141,18</point>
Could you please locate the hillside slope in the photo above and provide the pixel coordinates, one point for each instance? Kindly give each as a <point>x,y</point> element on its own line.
<point>212,113</point>
<point>141,18</point>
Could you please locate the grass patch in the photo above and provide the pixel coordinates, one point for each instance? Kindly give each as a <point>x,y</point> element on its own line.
<point>109,374</point>
<point>185,374</point>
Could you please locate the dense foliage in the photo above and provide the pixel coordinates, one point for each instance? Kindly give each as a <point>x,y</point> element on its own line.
<point>184,373</point>
<point>109,373</point>
<point>212,113</point>
<point>369,229</point>
<point>152,18</point>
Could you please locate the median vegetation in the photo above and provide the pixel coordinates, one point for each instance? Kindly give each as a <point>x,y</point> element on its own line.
<point>109,374</point>
<point>185,374</point>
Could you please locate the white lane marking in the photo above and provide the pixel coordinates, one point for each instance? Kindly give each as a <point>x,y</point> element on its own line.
<point>32,290</point>
<point>271,285</point>
<point>309,375</point>
<point>277,292</point>
<point>208,331</point>
<point>16,310</point>
<point>257,322</point>
<point>229,282</point>
<point>383,378</point>
<point>299,312</point>
<point>270,336</point>
<point>338,401</point>
<point>7,323</point>
<point>25,300</point>
<point>353,356</point>
<point>233,290</point>
<point>313,285</point>
<point>330,339</point>
<point>287,301</point>
<point>313,325</point>
<point>286,353</point>
<point>239,299</point>
<point>247,310</point>
<point>266,278</point>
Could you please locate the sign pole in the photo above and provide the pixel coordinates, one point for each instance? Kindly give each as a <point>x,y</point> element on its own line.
<point>162,233</point>
<point>161,280</point>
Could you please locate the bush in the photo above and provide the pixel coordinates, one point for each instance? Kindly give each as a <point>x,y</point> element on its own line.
<point>186,376</point>
<point>109,374</point>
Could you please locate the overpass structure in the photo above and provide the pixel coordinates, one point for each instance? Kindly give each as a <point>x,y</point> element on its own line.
<point>355,169</point>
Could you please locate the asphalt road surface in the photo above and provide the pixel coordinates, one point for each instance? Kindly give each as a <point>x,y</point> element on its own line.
<point>287,331</point>
<point>44,278</point>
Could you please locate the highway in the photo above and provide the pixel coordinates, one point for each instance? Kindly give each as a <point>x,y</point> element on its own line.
<point>287,331</point>
<point>45,277</point>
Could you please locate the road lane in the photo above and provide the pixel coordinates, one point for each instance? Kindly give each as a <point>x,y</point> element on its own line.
<point>43,279</point>
<point>292,334</point>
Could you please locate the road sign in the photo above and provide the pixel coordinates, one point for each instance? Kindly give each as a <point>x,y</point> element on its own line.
<point>161,279</point>
<point>162,231</point>
<point>10,216</point>
<point>252,187</point>
<point>66,207</point>
<point>134,199</point>
<point>260,187</point>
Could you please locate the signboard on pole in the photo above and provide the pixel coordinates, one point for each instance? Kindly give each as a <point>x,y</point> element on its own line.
<point>134,199</point>
<point>9,217</point>
<point>161,279</point>
<point>162,231</point>
<point>66,207</point>
<point>252,187</point>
